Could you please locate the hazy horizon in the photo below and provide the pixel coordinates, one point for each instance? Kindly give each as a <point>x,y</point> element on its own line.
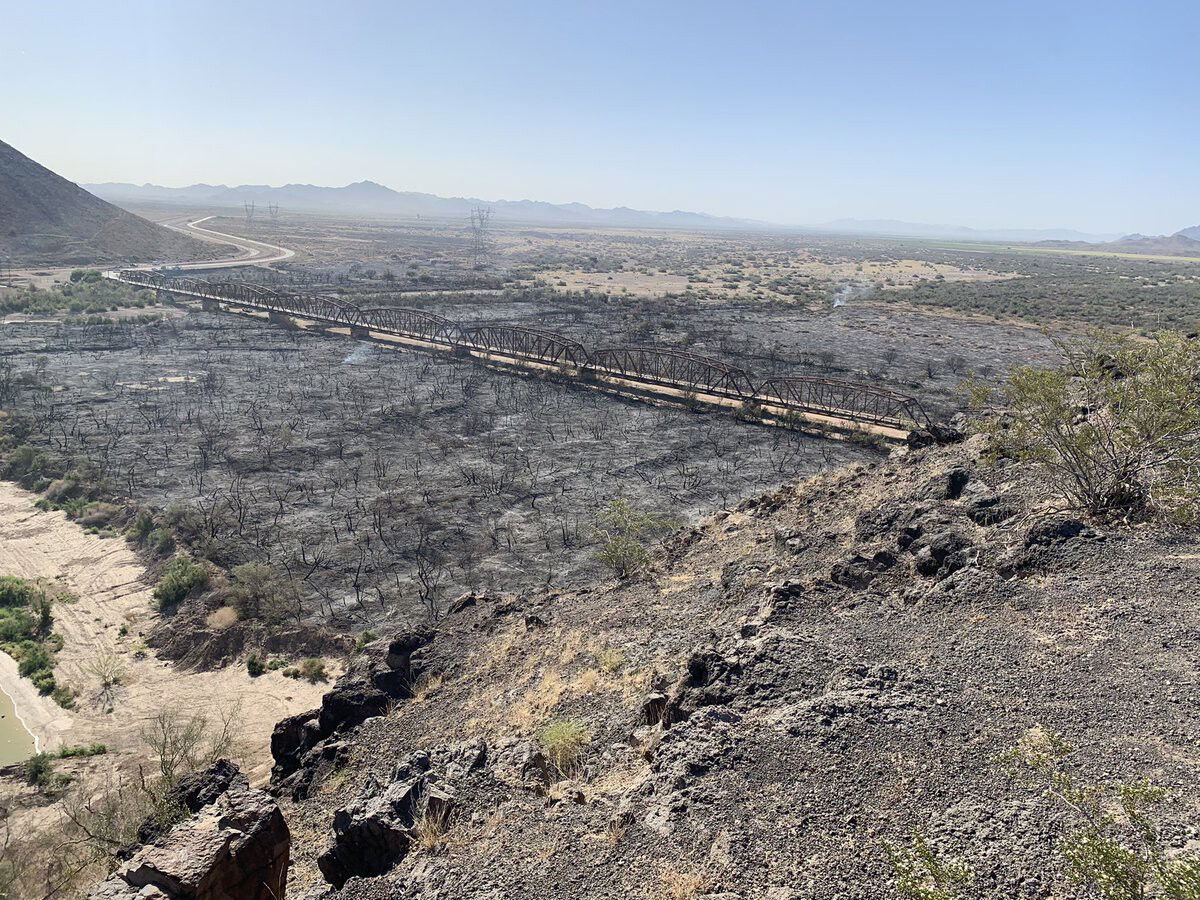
<point>1060,115</point>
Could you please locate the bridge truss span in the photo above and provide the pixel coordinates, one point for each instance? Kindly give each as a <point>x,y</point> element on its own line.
<point>533,344</point>
<point>680,369</point>
<point>839,398</point>
<point>411,323</point>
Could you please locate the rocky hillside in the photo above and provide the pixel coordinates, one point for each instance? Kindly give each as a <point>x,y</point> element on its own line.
<point>824,670</point>
<point>47,220</point>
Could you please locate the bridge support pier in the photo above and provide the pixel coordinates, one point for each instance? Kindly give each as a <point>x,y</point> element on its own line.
<point>278,318</point>
<point>359,333</point>
<point>209,305</point>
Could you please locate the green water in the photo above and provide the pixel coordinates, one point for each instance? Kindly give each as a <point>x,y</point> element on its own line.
<point>16,743</point>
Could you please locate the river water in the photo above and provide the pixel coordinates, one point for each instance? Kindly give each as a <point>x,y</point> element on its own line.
<point>16,743</point>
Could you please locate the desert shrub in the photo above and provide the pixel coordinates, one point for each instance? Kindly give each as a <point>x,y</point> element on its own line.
<point>565,741</point>
<point>181,744</point>
<point>97,514</point>
<point>222,618</point>
<point>16,591</point>
<point>431,826</point>
<point>255,665</point>
<point>83,750</point>
<point>313,670</point>
<point>64,696</point>
<point>180,578</point>
<point>1113,845</point>
<point>365,638</point>
<point>33,657</point>
<point>1116,428</point>
<point>62,489</point>
<point>73,508</point>
<point>682,884</point>
<point>623,531</point>
<point>919,873</point>
<point>146,532</point>
<point>16,625</point>
<point>25,631</point>
<point>107,668</point>
<point>611,660</point>
<point>143,524</point>
<point>262,592</point>
<point>161,541</point>
<point>39,769</point>
<point>25,464</point>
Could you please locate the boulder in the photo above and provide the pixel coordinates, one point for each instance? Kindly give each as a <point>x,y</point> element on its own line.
<point>374,832</point>
<point>707,682</point>
<point>235,846</point>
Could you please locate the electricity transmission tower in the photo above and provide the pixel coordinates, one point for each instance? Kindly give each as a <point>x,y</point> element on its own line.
<point>249,205</point>
<point>481,217</point>
<point>273,210</point>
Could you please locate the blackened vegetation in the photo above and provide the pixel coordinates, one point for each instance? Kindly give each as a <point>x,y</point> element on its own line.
<point>650,367</point>
<point>382,483</point>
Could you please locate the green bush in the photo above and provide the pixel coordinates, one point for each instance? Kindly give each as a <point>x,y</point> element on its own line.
<point>180,578</point>
<point>143,525</point>
<point>39,769</point>
<point>62,489</point>
<point>365,638</point>
<point>921,874</point>
<point>255,665</point>
<point>623,531</point>
<point>83,750</point>
<point>24,464</point>
<point>1115,428</point>
<point>33,656</point>
<point>313,670</point>
<point>64,696</point>
<point>16,591</point>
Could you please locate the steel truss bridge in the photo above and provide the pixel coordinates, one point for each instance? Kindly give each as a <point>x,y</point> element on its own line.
<point>662,372</point>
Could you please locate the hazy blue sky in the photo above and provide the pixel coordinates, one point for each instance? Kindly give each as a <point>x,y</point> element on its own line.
<point>1081,114</point>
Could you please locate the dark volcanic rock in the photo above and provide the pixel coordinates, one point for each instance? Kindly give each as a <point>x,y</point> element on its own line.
<point>193,793</point>
<point>234,847</point>
<point>383,675</point>
<point>374,832</point>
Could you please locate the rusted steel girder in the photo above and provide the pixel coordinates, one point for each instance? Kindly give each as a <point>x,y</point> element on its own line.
<point>675,368</point>
<point>836,397</point>
<point>527,343</point>
<point>414,323</point>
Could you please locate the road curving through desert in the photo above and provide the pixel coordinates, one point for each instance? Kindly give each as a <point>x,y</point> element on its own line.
<point>254,253</point>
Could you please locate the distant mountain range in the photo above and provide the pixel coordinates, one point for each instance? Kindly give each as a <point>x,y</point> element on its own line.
<point>1182,243</point>
<point>367,198</point>
<point>47,220</point>
<point>371,199</point>
<point>894,228</point>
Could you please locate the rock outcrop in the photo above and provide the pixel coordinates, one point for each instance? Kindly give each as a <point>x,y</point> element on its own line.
<point>384,674</point>
<point>234,846</point>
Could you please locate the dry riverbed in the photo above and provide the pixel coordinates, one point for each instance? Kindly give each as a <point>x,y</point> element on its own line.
<point>113,612</point>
